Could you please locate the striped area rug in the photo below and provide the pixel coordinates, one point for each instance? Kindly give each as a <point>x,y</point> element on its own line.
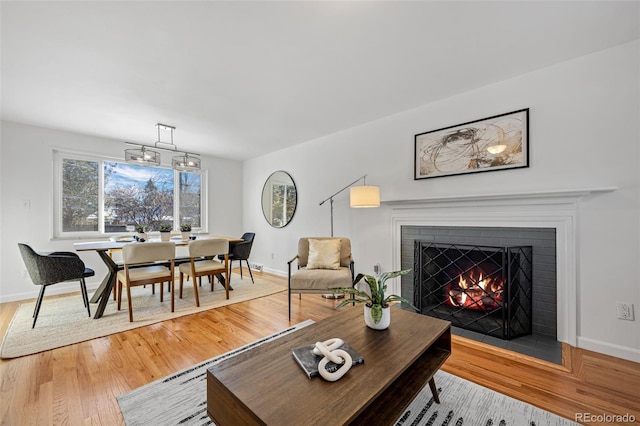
<point>180,399</point>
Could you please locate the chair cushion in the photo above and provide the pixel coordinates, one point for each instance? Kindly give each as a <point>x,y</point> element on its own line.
<point>345,250</point>
<point>146,273</point>
<point>202,267</point>
<point>320,279</point>
<point>324,254</point>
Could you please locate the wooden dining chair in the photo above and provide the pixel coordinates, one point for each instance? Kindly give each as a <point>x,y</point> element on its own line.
<point>203,262</point>
<point>141,253</point>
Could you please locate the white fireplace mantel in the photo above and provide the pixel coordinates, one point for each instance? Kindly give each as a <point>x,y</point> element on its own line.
<point>544,197</point>
<point>544,209</point>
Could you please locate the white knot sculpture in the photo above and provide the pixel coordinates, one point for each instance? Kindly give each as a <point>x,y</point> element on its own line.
<point>331,352</point>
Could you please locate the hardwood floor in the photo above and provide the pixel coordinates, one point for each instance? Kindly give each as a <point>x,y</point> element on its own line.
<point>78,384</point>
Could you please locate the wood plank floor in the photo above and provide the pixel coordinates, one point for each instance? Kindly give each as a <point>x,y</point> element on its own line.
<point>78,384</point>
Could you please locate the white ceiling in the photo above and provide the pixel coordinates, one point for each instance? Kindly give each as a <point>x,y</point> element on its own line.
<point>241,79</point>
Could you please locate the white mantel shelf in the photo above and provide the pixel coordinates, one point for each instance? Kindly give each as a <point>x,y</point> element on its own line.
<point>562,194</point>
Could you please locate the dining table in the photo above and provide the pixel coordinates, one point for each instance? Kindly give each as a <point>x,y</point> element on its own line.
<point>104,250</point>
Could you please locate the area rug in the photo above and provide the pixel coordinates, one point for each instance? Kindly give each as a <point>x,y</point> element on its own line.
<point>184,401</point>
<point>63,320</point>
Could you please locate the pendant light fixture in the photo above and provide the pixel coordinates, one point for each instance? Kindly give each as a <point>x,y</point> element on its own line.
<point>143,156</point>
<point>187,161</point>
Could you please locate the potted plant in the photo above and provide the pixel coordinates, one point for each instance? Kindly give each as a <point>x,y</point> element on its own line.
<point>377,313</point>
<point>185,228</point>
<point>142,231</point>
<point>165,231</point>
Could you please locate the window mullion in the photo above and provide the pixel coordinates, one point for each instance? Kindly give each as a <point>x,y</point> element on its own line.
<point>176,200</point>
<point>101,227</point>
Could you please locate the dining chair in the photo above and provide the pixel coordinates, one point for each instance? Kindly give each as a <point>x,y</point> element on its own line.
<point>203,262</point>
<point>135,254</point>
<point>240,251</point>
<point>54,268</point>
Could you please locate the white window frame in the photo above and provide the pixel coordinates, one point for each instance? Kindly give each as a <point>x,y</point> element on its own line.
<point>57,233</point>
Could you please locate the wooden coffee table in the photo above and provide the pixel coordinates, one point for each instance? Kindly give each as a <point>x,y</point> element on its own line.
<point>266,386</point>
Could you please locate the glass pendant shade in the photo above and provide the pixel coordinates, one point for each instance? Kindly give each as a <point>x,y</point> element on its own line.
<point>364,196</point>
<point>142,156</point>
<point>186,163</point>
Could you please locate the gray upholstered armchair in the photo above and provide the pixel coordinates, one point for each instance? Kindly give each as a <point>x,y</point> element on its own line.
<point>53,268</point>
<point>323,263</point>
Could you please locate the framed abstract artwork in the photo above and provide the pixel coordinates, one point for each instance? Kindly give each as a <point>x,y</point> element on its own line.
<point>493,143</point>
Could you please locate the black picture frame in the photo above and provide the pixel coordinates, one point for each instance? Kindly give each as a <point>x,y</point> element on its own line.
<point>499,142</point>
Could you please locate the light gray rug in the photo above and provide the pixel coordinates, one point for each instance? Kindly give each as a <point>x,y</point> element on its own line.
<point>181,399</point>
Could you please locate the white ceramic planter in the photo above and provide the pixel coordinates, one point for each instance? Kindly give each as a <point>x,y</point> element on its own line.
<point>384,321</point>
<point>165,236</point>
<point>185,235</point>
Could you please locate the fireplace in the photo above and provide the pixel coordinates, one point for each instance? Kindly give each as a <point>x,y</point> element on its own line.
<point>486,289</point>
<point>545,220</point>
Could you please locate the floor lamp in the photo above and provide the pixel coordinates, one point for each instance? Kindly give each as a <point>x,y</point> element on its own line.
<point>361,196</point>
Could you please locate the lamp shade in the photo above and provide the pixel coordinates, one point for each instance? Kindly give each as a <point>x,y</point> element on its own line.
<point>186,163</point>
<point>364,196</point>
<point>142,156</point>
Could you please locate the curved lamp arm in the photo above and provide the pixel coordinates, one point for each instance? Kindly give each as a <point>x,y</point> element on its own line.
<point>330,198</point>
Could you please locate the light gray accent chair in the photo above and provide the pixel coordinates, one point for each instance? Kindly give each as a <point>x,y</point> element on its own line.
<point>302,280</point>
<point>54,268</point>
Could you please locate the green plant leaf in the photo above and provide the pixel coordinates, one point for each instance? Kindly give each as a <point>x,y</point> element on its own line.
<point>394,298</point>
<point>373,285</point>
<point>388,275</point>
<point>357,279</point>
<point>376,313</point>
<point>348,290</point>
<point>361,296</point>
<point>348,301</point>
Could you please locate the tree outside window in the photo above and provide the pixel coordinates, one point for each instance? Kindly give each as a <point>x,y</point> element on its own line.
<point>137,195</point>
<point>79,195</point>
<point>190,184</point>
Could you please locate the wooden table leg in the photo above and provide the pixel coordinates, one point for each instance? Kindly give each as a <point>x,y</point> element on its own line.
<point>434,390</point>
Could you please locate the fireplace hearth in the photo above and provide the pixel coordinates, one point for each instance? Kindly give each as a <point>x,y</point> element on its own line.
<point>486,289</point>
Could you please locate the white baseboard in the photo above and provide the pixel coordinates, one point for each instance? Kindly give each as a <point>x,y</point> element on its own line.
<point>56,289</point>
<point>618,351</point>
<point>276,272</point>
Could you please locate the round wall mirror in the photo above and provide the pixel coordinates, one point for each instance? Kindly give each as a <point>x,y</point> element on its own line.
<point>279,199</point>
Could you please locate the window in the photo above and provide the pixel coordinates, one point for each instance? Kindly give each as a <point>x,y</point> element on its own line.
<point>79,195</point>
<point>101,196</point>
<point>283,205</point>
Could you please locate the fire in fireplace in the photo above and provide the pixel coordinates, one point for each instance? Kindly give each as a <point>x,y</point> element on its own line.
<point>480,288</point>
<point>483,293</point>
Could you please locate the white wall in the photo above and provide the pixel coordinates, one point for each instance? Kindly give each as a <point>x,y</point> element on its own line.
<point>584,132</point>
<point>26,174</point>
